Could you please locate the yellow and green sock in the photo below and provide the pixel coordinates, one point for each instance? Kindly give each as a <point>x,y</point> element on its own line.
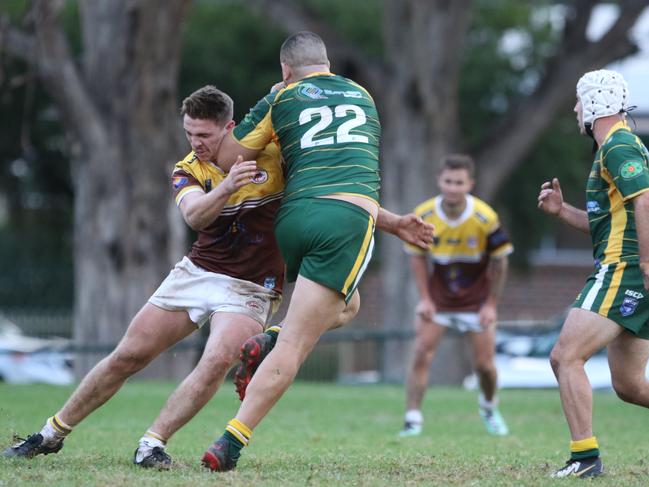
<point>238,435</point>
<point>273,331</point>
<point>586,448</point>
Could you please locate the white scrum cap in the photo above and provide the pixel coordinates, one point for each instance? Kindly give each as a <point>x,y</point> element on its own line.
<point>602,93</point>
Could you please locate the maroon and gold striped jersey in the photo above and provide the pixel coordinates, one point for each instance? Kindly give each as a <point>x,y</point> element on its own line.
<point>460,253</point>
<point>240,243</point>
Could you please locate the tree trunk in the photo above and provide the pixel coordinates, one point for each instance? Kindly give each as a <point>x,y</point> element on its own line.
<point>420,125</point>
<point>121,105</point>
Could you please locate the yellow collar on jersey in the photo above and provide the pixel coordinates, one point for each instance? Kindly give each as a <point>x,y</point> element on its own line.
<point>619,125</point>
<point>318,73</point>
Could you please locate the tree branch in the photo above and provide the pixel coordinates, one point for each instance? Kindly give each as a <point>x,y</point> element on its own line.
<point>293,17</point>
<point>511,140</point>
<point>62,78</point>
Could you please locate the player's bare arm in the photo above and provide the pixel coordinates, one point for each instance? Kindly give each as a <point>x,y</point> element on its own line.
<point>550,200</point>
<point>497,273</point>
<point>425,307</point>
<point>201,209</point>
<point>230,149</point>
<point>641,211</point>
<point>410,228</point>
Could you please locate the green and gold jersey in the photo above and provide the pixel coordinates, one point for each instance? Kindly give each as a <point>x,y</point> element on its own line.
<point>328,130</point>
<point>619,174</point>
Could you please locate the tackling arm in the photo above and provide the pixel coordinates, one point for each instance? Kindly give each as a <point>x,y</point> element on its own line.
<point>410,228</point>
<point>230,149</point>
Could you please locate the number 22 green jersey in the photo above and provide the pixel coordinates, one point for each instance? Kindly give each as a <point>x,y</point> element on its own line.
<point>328,130</point>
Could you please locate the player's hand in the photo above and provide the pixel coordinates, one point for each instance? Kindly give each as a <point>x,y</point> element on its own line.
<point>240,174</point>
<point>413,230</point>
<point>278,86</point>
<point>425,309</point>
<point>487,315</point>
<point>550,198</point>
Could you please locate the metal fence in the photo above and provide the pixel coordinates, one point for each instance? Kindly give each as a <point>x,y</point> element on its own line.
<point>352,355</point>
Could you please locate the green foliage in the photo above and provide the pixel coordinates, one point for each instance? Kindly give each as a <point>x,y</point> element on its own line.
<point>35,179</point>
<point>326,435</point>
<point>507,43</point>
<point>358,21</point>
<point>227,46</point>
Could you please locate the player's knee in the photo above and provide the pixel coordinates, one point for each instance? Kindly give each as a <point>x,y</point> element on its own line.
<point>126,363</point>
<point>350,311</point>
<point>555,360</point>
<point>423,354</point>
<point>485,367</point>
<point>216,365</point>
<point>627,390</point>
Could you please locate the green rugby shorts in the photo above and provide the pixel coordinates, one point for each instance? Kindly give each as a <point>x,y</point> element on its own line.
<point>327,241</point>
<point>616,291</point>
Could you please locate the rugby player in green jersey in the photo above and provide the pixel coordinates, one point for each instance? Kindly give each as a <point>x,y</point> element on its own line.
<point>612,310</point>
<point>328,132</point>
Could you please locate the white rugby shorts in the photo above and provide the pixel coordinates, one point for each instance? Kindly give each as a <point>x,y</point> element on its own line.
<point>200,292</point>
<point>462,321</point>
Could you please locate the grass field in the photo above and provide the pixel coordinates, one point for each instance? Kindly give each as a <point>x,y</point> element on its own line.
<point>328,435</point>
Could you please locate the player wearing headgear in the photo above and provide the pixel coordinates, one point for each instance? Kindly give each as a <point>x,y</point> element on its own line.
<point>612,309</point>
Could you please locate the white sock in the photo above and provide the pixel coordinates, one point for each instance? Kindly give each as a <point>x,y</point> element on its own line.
<point>147,444</point>
<point>148,441</point>
<point>51,432</point>
<point>487,405</point>
<point>414,416</point>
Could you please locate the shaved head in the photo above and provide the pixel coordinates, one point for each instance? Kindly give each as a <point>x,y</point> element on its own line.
<point>303,49</point>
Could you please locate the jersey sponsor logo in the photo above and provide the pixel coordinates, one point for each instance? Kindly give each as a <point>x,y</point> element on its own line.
<point>629,306</point>
<point>179,181</point>
<point>346,94</point>
<point>633,294</point>
<point>592,207</point>
<point>453,241</point>
<point>269,282</point>
<point>309,90</point>
<point>631,169</point>
<point>260,177</point>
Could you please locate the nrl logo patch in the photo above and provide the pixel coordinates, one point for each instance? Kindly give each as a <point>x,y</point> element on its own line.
<point>629,306</point>
<point>631,169</point>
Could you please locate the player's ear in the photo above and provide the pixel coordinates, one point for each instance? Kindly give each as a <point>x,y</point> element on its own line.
<point>286,72</point>
<point>230,125</point>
